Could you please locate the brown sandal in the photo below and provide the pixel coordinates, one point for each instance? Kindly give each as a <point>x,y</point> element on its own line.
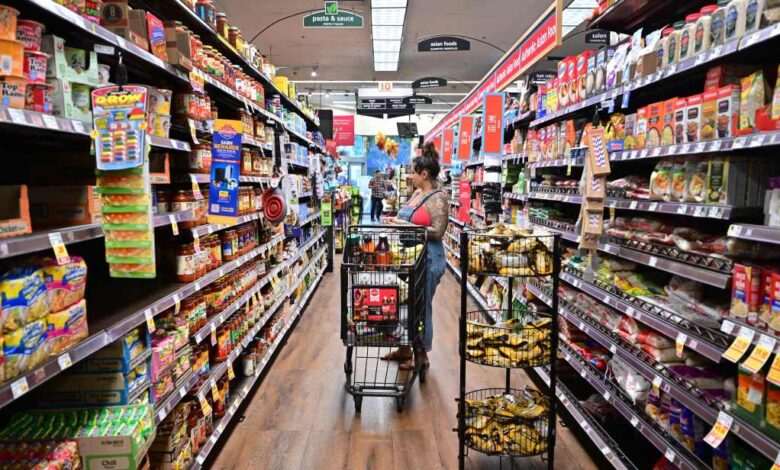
<point>397,355</point>
<point>407,365</point>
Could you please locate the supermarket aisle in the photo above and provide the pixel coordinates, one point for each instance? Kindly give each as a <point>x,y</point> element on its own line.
<point>301,417</point>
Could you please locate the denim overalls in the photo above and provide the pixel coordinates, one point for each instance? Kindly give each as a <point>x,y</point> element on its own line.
<point>436,266</point>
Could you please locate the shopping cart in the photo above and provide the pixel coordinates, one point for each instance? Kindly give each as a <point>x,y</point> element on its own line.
<point>383,282</point>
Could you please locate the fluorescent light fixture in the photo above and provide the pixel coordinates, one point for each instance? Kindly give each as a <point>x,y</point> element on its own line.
<point>388,16</point>
<point>387,32</point>
<point>343,102</point>
<point>385,66</point>
<point>387,46</point>
<point>590,4</point>
<point>385,56</point>
<point>388,3</point>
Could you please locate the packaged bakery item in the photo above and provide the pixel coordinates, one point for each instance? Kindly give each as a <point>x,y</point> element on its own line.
<point>718,24</point>
<point>728,111</point>
<point>709,114</point>
<point>67,327</point>
<point>660,181</point>
<point>735,20</point>
<point>696,180</point>
<point>654,124</point>
<point>663,46</point>
<point>641,127</point>
<point>65,283</point>
<point>692,117</point>
<point>673,43</point>
<point>667,127</point>
<point>582,74</point>
<point>753,97</point>
<point>745,293</point>
<point>24,297</point>
<point>679,120</point>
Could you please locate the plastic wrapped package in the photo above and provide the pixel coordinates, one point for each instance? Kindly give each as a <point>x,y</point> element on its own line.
<point>65,283</point>
<point>629,380</point>
<point>24,297</point>
<point>66,327</point>
<point>654,339</point>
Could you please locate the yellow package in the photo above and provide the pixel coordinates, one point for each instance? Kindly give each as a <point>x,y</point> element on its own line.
<point>66,327</point>
<point>751,394</point>
<point>25,348</point>
<point>24,297</point>
<point>65,283</point>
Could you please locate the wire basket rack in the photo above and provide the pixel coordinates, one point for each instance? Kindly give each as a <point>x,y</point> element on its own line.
<point>510,423</point>
<point>523,341</point>
<point>500,251</point>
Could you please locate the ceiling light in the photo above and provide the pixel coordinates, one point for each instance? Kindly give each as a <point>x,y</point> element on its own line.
<point>387,46</point>
<point>327,94</point>
<point>313,73</point>
<point>388,16</point>
<point>385,56</point>
<point>387,32</point>
<point>385,66</point>
<point>389,3</point>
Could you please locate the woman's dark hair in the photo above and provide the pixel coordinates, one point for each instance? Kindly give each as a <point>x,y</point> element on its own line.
<point>428,160</point>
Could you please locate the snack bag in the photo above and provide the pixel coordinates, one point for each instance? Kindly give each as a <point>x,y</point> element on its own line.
<point>65,283</point>
<point>67,327</point>
<point>25,348</point>
<point>24,297</point>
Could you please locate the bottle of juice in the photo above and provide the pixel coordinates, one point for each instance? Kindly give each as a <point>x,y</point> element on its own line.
<point>382,254</point>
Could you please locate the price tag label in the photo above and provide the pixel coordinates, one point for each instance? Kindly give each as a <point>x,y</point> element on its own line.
<point>632,205</point>
<point>652,262</point>
<point>613,348</point>
<point>78,126</point>
<point>17,116</point>
<point>204,406</point>
<point>182,392</point>
<point>64,361</point>
<point>50,121</point>
<point>670,455</point>
<point>215,391</point>
<point>19,387</point>
<point>644,153</point>
<point>735,230</point>
<point>656,152</point>
<point>583,373</point>
<point>149,320</point>
<point>739,143</point>
<point>700,147</point>
<point>653,206</point>
<point>176,304</point>
<point>195,187</point>
<point>720,430</point>
<point>657,381</point>
<point>760,354</point>
<point>607,395</point>
<point>680,343</point>
<point>174,224</point>
<point>740,345</point>
<point>193,131</point>
<point>60,252</point>
<point>161,415</point>
<point>230,373</point>
<point>682,209</point>
<point>197,286</point>
<point>727,327</point>
<point>213,334</point>
<point>757,140</point>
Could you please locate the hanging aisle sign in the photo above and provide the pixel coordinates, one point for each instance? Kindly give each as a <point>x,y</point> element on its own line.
<point>332,17</point>
<point>429,82</point>
<point>533,46</point>
<point>225,164</point>
<point>493,125</point>
<point>465,136</point>
<point>448,135</point>
<point>443,44</point>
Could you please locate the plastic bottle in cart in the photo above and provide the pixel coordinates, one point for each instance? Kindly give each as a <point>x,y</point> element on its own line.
<point>382,255</point>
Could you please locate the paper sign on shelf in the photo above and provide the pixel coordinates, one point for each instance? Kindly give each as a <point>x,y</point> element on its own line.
<point>740,345</point>
<point>755,362</point>
<point>215,391</point>
<point>720,430</point>
<point>680,343</point>
<point>204,406</point>
<point>60,252</point>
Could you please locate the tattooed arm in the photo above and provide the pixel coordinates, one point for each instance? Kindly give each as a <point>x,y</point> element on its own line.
<point>438,207</point>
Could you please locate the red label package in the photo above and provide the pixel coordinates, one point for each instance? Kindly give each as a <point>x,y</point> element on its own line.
<point>375,304</point>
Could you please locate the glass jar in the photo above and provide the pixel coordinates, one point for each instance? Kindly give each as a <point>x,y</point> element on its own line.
<point>206,12</point>
<point>183,200</point>
<point>200,158</point>
<point>163,201</point>
<point>185,263</point>
<point>246,161</point>
<point>222,25</point>
<point>229,241</point>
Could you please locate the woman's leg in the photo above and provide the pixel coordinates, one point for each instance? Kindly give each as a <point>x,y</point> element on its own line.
<point>436,266</point>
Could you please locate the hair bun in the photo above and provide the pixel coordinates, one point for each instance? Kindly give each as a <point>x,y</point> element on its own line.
<point>429,150</point>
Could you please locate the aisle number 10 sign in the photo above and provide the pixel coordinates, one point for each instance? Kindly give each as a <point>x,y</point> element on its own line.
<point>493,125</point>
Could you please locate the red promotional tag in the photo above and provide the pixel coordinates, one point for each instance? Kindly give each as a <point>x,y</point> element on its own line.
<point>465,136</point>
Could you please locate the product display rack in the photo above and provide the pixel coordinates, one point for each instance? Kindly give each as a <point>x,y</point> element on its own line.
<point>468,243</point>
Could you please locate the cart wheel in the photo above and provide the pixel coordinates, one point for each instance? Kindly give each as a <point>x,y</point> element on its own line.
<point>399,404</point>
<point>358,404</point>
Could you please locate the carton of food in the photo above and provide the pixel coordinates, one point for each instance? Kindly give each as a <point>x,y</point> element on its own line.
<point>692,118</point>
<point>63,206</point>
<point>563,82</point>
<point>745,293</point>
<point>679,120</point>
<point>667,128</point>
<point>728,111</point>
<point>582,74</point>
<point>629,141</point>
<point>641,127</point>
<point>654,124</point>
<point>590,82</point>
<point>709,115</point>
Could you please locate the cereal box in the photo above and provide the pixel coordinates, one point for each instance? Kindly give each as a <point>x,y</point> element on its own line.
<point>765,309</point>
<point>709,114</point>
<point>728,111</point>
<point>692,118</point>
<point>563,82</point>
<point>745,293</point>
<point>582,74</point>
<point>590,82</point>
<point>654,124</point>
<point>667,129</point>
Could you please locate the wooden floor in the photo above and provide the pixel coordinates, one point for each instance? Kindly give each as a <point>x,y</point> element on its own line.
<point>301,417</point>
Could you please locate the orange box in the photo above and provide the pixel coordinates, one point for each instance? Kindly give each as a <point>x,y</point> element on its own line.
<point>709,114</point>
<point>14,211</point>
<point>655,124</point>
<point>667,126</point>
<point>63,206</point>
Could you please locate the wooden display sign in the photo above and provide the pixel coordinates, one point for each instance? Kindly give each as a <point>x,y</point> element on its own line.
<point>597,152</point>
<point>595,187</point>
<point>588,241</point>
<point>593,222</point>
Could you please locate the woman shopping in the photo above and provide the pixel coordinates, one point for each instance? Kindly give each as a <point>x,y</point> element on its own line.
<point>428,207</point>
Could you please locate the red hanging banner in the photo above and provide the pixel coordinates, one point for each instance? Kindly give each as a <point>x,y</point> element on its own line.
<point>344,130</point>
<point>464,198</point>
<point>437,143</point>
<point>465,136</point>
<point>493,125</point>
<point>448,135</point>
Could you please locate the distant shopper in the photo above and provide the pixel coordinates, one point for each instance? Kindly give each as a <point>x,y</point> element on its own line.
<point>378,188</point>
<point>429,208</point>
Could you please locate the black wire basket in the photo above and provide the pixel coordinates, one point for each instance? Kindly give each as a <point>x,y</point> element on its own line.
<point>512,423</point>
<point>525,340</point>
<point>509,252</point>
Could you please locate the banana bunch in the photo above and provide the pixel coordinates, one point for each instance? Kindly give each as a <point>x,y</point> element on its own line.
<point>510,251</point>
<point>508,424</point>
<point>405,255</point>
<point>509,345</point>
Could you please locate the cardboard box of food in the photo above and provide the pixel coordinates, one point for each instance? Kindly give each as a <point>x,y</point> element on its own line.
<point>178,46</point>
<point>64,206</point>
<point>14,211</point>
<point>693,118</point>
<point>709,114</point>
